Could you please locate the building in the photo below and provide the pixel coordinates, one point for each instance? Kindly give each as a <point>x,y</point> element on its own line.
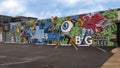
<point>4,19</point>
<point>9,19</point>
<point>95,28</point>
<point>22,18</point>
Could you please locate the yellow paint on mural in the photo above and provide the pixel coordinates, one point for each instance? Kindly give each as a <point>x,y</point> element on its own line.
<point>72,41</point>
<point>17,29</point>
<point>54,42</point>
<point>32,27</point>
<point>80,21</point>
<point>53,19</point>
<point>6,27</point>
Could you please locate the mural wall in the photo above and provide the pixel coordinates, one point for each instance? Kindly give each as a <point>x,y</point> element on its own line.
<point>96,29</point>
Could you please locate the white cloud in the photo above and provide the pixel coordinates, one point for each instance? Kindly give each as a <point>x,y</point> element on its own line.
<point>96,8</point>
<point>70,3</point>
<point>12,7</point>
<point>15,8</point>
<point>43,14</point>
<point>102,1</point>
<point>93,8</point>
<point>83,6</point>
<point>30,14</point>
<point>48,14</point>
<point>55,8</point>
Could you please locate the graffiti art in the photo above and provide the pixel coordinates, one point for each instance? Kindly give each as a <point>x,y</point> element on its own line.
<point>83,30</point>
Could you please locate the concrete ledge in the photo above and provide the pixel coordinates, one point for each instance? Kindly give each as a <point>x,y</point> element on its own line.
<point>114,61</point>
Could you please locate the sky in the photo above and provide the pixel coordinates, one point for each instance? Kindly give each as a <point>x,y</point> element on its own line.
<point>47,8</point>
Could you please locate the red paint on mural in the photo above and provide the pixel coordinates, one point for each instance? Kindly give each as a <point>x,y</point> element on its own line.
<point>91,21</point>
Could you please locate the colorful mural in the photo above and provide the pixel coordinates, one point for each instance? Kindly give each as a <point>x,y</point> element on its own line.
<point>83,30</point>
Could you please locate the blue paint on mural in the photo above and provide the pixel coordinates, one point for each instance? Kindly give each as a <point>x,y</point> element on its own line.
<point>89,27</point>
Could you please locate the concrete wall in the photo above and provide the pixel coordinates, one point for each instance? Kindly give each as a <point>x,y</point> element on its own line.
<point>119,14</point>
<point>0,37</point>
<point>0,34</point>
<point>96,29</point>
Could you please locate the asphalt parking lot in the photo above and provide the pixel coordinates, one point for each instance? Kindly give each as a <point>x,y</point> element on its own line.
<point>36,56</point>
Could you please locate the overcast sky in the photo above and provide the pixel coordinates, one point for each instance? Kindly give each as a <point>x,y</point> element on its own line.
<point>47,8</point>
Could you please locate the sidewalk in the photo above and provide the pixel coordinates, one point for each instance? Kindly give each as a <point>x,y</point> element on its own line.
<point>114,61</point>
